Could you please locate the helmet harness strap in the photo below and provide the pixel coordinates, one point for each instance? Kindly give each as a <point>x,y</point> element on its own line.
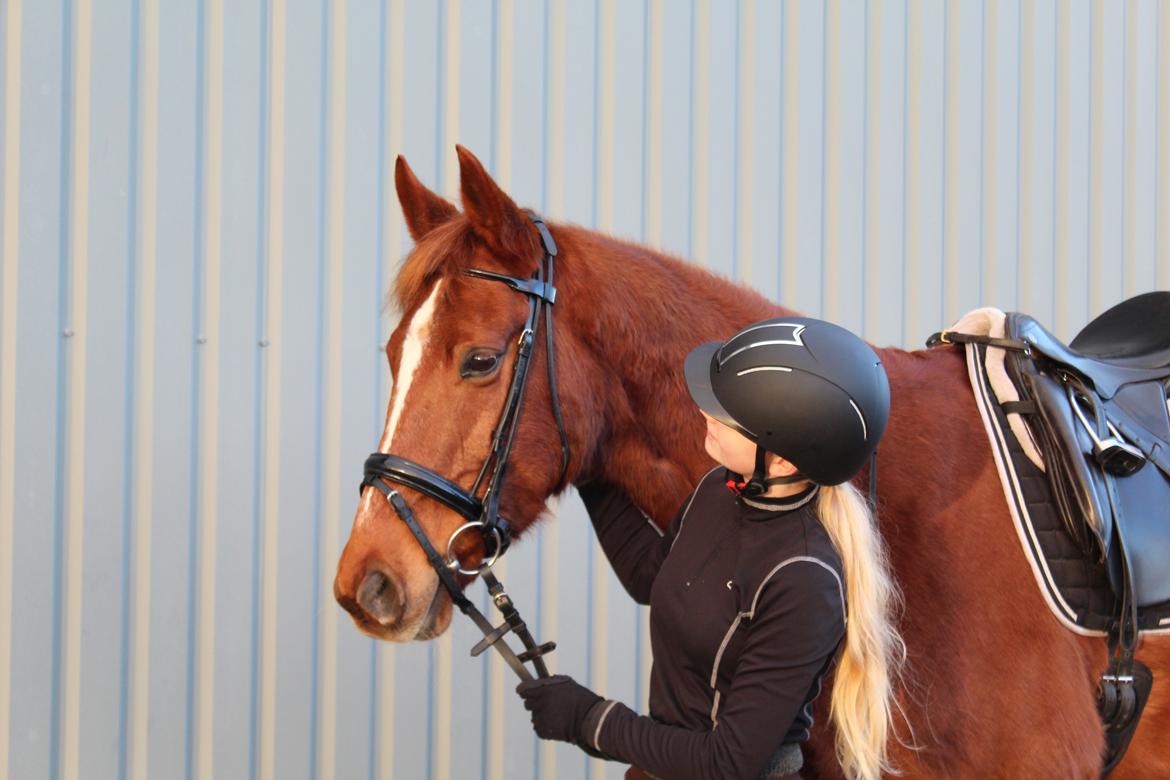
<point>759,482</point>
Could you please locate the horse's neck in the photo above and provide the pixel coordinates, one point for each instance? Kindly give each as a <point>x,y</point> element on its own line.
<point>640,312</point>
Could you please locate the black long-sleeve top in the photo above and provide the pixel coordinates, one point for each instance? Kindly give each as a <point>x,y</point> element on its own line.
<point>747,609</point>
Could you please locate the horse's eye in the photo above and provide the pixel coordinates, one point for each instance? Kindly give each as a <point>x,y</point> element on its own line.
<point>479,364</point>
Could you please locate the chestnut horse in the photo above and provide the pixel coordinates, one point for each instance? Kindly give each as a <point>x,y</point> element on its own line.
<point>993,685</point>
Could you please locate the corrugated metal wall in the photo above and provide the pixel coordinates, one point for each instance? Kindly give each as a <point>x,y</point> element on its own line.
<point>198,224</point>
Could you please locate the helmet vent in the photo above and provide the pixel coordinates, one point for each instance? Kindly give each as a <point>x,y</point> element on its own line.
<point>860,416</point>
<point>763,368</point>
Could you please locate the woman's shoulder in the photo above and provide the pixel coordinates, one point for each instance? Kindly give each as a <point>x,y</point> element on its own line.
<point>816,542</point>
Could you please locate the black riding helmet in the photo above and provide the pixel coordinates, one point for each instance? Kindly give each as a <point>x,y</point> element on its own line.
<point>805,389</point>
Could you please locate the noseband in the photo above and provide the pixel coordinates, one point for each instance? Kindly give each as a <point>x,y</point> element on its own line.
<point>383,469</point>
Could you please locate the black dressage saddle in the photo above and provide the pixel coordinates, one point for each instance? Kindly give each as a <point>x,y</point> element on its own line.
<point>1097,411</point>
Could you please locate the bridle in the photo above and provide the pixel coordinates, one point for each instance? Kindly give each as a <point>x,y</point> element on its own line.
<point>382,469</point>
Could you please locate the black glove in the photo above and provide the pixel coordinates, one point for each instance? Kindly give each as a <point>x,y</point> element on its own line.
<point>558,705</point>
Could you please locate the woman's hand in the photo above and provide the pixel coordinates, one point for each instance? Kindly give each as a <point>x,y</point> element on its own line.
<point>558,705</point>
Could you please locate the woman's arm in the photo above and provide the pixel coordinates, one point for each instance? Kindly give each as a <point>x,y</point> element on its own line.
<point>797,627</point>
<point>634,546</point>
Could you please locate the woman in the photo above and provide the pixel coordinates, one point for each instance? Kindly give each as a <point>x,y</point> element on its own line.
<point>760,579</point>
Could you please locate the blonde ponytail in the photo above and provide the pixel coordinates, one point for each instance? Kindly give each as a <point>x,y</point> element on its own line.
<point>863,694</point>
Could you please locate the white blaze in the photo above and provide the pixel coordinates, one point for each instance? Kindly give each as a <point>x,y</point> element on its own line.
<point>412,351</point>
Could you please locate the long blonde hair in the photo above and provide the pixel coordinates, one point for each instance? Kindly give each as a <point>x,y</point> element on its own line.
<point>862,701</point>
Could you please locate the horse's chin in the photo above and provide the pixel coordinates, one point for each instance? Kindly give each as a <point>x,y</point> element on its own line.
<point>437,618</point>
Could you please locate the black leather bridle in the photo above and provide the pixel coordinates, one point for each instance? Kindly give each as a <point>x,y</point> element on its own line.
<point>382,470</point>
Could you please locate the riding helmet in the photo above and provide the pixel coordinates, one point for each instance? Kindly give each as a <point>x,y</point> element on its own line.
<point>805,389</point>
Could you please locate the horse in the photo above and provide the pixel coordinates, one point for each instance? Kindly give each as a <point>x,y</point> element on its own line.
<point>992,685</point>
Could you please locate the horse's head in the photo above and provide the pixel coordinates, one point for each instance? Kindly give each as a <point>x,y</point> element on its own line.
<point>451,357</point>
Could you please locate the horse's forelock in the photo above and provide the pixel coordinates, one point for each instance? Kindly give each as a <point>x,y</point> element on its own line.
<point>447,248</point>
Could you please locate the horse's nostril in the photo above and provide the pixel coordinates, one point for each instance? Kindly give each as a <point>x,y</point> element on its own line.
<point>379,598</point>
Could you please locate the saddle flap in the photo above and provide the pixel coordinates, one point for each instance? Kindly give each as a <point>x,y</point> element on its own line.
<point>1066,447</point>
<point>1112,508</point>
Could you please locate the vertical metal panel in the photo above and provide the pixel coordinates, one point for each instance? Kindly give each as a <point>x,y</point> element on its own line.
<point>1009,95</point>
<point>1036,161</point>
<point>1074,185</point>
<point>102,563</point>
<point>1106,167</point>
<point>269,391</point>
<point>143,230</point>
<point>759,204</point>
<point>962,158</point>
<point>218,249</point>
<point>75,262</point>
<point>35,365</point>
<point>716,149</point>
<point>207,340</point>
<point>1140,147</point>
<point>173,574</point>
<point>301,387</point>
<point>331,474</point>
<point>9,265</point>
<point>790,152</point>
<point>700,118</point>
<point>242,104</point>
<point>744,112</point>
<point>885,173</point>
<point>844,269</point>
<point>925,165</point>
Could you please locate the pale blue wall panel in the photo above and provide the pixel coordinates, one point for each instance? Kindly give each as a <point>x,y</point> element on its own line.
<point>1107,156</point>
<point>579,112</point>
<point>886,156</point>
<point>239,355</point>
<point>1037,143</point>
<point>803,287</point>
<point>1010,149</point>
<point>763,116</point>
<point>675,28</point>
<point>922,307</point>
<point>528,102</point>
<point>1141,146</point>
<point>963,157</point>
<point>172,578</point>
<point>720,253</point>
<point>845,200</point>
<point>1074,182</point>
<point>37,521</point>
<point>423,95</point>
<point>300,336</point>
<point>106,416</point>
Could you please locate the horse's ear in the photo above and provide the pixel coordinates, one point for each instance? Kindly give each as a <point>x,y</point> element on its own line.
<point>423,209</point>
<point>496,219</point>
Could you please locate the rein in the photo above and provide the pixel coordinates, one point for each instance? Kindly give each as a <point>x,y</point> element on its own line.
<point>382,470</point>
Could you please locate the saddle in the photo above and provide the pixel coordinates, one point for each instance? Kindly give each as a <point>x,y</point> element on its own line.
<point>1096,410</point>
